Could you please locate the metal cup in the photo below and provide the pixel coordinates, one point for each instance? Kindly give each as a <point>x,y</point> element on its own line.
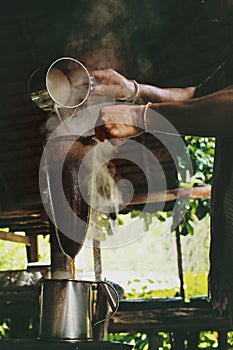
<point>64,83</point>
<point>69,309</point>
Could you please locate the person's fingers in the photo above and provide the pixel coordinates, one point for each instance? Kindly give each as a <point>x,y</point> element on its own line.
<point>119,121</point>
<point>99,133</point>
<point>102,133</point>
<point>103,75</point>
<point>102,89</point>
<point>110,82</point>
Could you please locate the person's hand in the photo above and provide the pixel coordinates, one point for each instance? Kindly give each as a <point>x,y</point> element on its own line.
<point>111,83</point>
<point>119,121</point>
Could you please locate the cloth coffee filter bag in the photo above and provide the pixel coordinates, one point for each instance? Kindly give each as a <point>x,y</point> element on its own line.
<point>58,85</point>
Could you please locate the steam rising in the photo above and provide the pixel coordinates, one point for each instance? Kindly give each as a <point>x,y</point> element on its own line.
<point>102,187</point>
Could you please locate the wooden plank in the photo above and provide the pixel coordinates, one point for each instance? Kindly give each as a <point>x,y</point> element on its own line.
<point>24,221</point>
<point>11,214</point>
<point>170,319</point>
<point>171,195</point>
<point>13,237</point>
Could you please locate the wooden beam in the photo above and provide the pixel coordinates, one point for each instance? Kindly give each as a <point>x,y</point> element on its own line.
<point>13,237</point>
<point>10,214</point>
<point>166,315</point>
<point>32,249</point>
<point>171,195</point>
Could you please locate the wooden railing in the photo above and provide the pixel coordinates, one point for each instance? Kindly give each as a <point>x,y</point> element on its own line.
<point>184,320</point>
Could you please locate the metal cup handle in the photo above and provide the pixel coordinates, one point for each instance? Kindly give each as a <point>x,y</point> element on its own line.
<point>113,302</point>
<point>93,82</point>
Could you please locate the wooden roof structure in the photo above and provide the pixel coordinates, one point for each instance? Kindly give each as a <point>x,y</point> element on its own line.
<point>170,43</point>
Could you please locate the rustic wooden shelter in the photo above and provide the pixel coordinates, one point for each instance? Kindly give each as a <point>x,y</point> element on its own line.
<point>169,43</point>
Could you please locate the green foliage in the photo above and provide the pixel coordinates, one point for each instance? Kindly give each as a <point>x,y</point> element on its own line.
<point>230,338</point>
<point>13,256</point>
<point>194,210</point>
<point>196,284</point>
<point>5,328</point>
<point>201,152</point>
<point>148,217</point>
<point>44,249</point>
<point>208,340</point>
<point>104,222</point>
<point>147,292</point>
<point>140,341</point>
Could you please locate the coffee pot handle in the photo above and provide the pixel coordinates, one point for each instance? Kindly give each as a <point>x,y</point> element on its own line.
<point>113,302</point>
<point>112,298</point>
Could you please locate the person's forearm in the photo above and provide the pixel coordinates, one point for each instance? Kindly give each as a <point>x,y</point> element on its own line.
<point>211,115</point>
<point>157,94</point>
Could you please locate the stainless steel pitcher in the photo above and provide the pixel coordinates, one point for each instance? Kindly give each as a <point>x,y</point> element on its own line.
<point>69,309</point>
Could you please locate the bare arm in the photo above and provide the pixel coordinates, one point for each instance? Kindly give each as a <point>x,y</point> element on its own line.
<point>157,94</point>
<point>211,115</point>
<point>112,83</point>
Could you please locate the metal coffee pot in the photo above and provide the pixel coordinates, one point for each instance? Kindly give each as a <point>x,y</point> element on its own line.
<point>69,309</point>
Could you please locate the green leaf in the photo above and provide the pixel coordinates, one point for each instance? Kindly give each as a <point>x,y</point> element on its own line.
<point>150,281</point>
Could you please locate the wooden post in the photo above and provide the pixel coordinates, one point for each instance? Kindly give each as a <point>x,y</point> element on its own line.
<point>153,341</point>
<point>97,260</point>
<point>222,340</point>
<point>179,261</point>
<point>32,249</point>
<point>101,329</point>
